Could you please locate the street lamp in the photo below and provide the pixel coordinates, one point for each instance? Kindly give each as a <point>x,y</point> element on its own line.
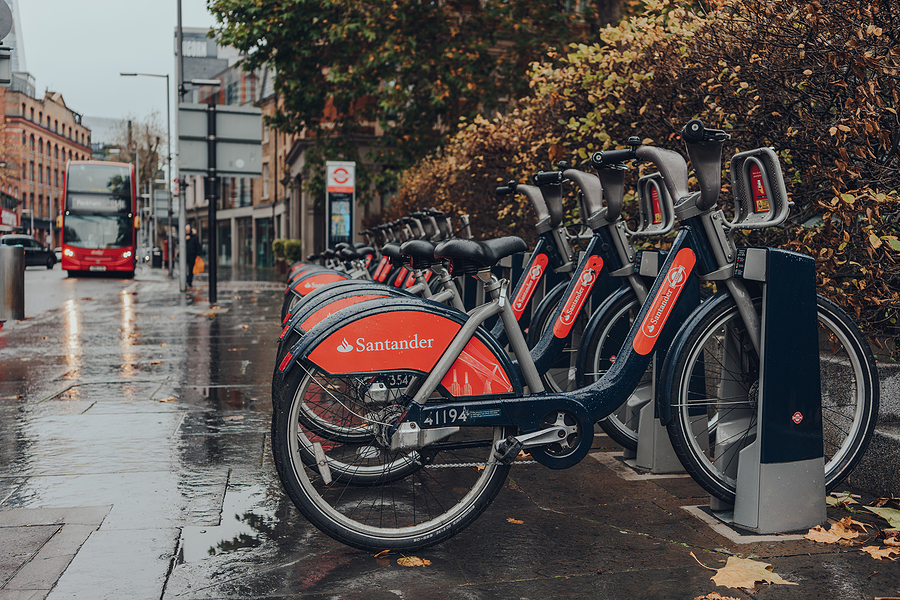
<point>171,250</point>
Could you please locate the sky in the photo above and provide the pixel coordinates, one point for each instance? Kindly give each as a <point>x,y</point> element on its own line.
<point>79,47</point>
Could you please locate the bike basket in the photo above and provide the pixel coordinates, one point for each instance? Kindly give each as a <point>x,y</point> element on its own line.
<point>760,197</point>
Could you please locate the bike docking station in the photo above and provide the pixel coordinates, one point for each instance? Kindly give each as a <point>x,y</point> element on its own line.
<point>780,475</point>
<point>654,450</point>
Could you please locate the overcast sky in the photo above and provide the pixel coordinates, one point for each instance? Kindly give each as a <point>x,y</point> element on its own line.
<point>79,47</point>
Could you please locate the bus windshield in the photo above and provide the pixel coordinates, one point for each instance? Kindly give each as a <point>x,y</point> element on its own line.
<point>95,231</point>
<point>99,179</point>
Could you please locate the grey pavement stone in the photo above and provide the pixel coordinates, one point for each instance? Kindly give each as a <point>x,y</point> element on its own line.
<point>119,564</point>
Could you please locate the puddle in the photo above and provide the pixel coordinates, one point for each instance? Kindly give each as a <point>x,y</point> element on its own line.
<point>247,520</point>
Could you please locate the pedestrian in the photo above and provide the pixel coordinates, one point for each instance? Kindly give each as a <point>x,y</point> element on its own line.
<point>191,252</point>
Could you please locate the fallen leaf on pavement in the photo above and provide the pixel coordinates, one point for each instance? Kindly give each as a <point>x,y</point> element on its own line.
<point>891,515</point>
<point>840,533</point>
<point>412,561</point>
<point>892,540</point>
<point>382,553</point>
<point>211,313</point>
<point>163,344</point>
<point>714,596</point>
<point>883,501</point>
<point>840,499</point>
<point>245,326</point>
<point>169,399</point>
<point>745,573</point>
<point>878,552</point>
<point>516,521</point>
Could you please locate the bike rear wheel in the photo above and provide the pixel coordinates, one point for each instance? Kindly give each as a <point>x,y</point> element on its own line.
<point>362,493</point>
<point>715,386</point>
<point>601,350</point>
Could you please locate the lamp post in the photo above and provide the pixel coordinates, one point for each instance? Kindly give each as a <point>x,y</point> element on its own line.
<point>168,160</point>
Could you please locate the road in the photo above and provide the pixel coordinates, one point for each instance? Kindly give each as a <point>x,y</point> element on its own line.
<point>48,288</point>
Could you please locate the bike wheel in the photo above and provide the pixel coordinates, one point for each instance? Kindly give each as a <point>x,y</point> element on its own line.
<point>560,377</point>
<point>601,350</point>
<point>368,496</point>
<point>715,387</point>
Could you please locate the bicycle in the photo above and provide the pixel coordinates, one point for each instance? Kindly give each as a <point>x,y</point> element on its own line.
<point>428,462</point>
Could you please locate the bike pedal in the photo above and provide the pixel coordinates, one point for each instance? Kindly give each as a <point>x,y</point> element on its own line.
<point>507,450</point>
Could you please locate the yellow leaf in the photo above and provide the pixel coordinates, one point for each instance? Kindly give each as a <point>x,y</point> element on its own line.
<point>714,596</point>
<point>745,573</point>
<point>843,128</point>
<point>169,399</point>
<point>516,521</point>
<point>382,553</point>
<point>875,241</point>
<point>412,561</point>
<point>819,534</point>
<point>245,326</point>
<point>876,552</point>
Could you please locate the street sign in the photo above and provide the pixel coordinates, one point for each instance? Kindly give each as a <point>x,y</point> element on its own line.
<point>340,195</point>
<point>238,138</point>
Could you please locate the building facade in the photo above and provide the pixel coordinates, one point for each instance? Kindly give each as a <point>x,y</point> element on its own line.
<point>42,134</point>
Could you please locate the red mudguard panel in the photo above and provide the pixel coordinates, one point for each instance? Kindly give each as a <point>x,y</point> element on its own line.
<point>333,307</point>
<point>402,340</point>
<point>532,278</point>
<point>314,282</point>
<point>476,372</point>
<point>664,301</point>
<point>577,297</point>
<point>381,270</point>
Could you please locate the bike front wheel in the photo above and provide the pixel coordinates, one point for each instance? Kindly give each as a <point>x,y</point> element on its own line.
<point>366,495</point>
<point>716,384</point>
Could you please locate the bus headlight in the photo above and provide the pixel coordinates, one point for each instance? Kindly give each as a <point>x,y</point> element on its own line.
<point>68,252</point>
<point>126,254</point>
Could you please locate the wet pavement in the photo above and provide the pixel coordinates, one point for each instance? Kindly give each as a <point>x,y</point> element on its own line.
<point>135,463</point>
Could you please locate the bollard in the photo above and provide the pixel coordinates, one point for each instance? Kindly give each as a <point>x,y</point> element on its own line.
<point>12,283</point>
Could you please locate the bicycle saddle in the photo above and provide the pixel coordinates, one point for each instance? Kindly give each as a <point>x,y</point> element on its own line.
<point>467,257</point>
<point>392,251</point>
<point>420,251</point>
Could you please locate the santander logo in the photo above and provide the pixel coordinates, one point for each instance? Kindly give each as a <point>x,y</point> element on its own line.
<point>363,345</point>
<point>578,296</point>
<point>529,284</point>
<point>664,301</point>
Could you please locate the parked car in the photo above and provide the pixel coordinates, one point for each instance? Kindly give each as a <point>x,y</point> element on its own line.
<point>36,253</point>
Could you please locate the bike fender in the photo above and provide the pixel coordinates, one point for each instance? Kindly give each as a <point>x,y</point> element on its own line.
<point>308,283</point>
<point>402,334</point>
<point>664,395</point>
<point>316,309</point>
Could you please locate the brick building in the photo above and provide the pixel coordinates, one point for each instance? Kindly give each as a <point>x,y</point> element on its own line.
<point>41,135</point>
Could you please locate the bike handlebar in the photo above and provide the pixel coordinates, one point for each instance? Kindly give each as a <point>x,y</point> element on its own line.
<point>612,157</point>
<point>548,178</point>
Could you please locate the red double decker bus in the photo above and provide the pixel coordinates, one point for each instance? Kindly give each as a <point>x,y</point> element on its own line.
<point>99,219</point>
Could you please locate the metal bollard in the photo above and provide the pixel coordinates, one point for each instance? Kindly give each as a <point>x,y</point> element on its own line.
<point>12,283</point>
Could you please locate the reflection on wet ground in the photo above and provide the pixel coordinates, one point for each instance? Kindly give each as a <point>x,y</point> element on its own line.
<point>156,408</point>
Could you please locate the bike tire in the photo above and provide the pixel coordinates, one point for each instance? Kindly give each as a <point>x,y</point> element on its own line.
<point>379,498</point>
<point>607,336</point>
<point>560,377</point>
<point>720,347</point>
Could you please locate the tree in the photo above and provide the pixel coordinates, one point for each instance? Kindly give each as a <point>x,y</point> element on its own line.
<point>412,69</point>
<point>817,80</point>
